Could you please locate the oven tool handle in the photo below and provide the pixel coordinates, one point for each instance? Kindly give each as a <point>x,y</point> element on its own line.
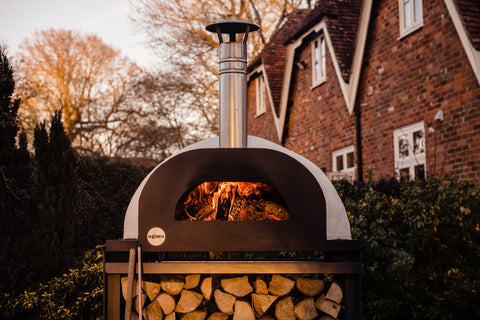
<point>131,274</point>
<point>139,266</point>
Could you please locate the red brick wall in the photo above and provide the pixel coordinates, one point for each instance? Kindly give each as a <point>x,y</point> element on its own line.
<point>410,80</point>
<point>318,121</point>
<point>413,78</point>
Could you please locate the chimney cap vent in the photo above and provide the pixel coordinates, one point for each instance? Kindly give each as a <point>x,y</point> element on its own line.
<point>232,26</point>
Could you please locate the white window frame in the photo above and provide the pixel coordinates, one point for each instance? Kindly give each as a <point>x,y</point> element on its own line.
<point>413,16</point>
<point>261,96</point>
<point>413,159</point>
<point>319,57</point>
<point>346,172</point>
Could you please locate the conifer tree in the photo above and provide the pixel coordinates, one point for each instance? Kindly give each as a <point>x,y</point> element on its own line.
<point>54,196</point>
<point>14,174</point>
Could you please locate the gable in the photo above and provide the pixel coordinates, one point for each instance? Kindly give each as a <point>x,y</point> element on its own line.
<point>345,25</point>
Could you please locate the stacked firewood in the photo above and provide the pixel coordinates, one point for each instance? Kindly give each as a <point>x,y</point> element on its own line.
<point>196,297</point>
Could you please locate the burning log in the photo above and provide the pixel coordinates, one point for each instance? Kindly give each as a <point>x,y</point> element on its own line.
<point>189,301</point>
<point>280,286</point>
<point>239,287</point>
<point>243,311</point>
<point>224,301</point>
<point>233,201</point>
<point>309,287</point>
<point>284,309</point>
<point>305,309</point>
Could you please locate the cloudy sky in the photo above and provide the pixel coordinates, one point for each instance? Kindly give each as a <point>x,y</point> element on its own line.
<point>109,19</point>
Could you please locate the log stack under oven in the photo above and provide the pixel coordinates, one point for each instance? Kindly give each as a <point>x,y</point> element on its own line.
<point>213,297</point>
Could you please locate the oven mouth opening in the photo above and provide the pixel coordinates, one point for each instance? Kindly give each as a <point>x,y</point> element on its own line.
<point>232,201</point>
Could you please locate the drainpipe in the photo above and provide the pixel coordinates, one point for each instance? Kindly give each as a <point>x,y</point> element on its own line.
<point>358,136</point>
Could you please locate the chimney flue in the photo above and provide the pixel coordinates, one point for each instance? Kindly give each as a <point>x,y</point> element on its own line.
<point>233,82</point>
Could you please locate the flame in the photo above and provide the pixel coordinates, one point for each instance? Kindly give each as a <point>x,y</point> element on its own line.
<point>232,201</point>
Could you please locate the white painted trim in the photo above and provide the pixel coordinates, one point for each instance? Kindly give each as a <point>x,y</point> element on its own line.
<point>472,54</point>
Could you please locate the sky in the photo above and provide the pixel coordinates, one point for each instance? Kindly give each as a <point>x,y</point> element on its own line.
<point>109,19</point>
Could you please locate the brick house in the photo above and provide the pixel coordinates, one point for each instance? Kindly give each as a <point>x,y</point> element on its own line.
<point>377,88</point>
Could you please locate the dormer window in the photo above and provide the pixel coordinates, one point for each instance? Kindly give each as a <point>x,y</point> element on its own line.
<point>261,99</point>
<point>318,61</point>
<point>411,16</point>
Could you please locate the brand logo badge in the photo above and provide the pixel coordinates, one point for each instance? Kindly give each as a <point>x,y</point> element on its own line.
<point>156,236</point>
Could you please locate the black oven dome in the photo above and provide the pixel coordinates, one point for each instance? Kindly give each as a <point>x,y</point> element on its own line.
<point>317,213</point>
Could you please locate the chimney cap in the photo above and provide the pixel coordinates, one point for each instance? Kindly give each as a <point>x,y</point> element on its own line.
<point>232,26</point>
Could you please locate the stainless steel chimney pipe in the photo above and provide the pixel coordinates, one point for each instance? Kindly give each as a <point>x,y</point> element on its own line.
<point>233,83</point>
<point>233,95</point>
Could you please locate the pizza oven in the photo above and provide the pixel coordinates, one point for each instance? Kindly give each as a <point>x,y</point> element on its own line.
<point>215,207</point>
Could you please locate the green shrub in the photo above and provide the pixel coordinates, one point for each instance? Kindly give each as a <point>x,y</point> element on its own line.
<point>75,295</point>
<point>420,247</point>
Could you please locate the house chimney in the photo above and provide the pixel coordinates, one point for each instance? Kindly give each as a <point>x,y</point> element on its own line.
<point>233,82</point>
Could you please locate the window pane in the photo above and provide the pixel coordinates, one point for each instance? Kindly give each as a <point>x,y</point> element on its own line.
<point>322,56</point>
<point>418,142</point>
<point>407,13</point>
<point>418,10</point>
<point>339,161</point>
<point>420,172</point>
<point>317,71</point>
<point>350,160</point>
<point>404,175</point>
<point>403,146</point>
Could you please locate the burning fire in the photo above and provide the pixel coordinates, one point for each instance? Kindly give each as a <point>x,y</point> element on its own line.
<point>232,201</point>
